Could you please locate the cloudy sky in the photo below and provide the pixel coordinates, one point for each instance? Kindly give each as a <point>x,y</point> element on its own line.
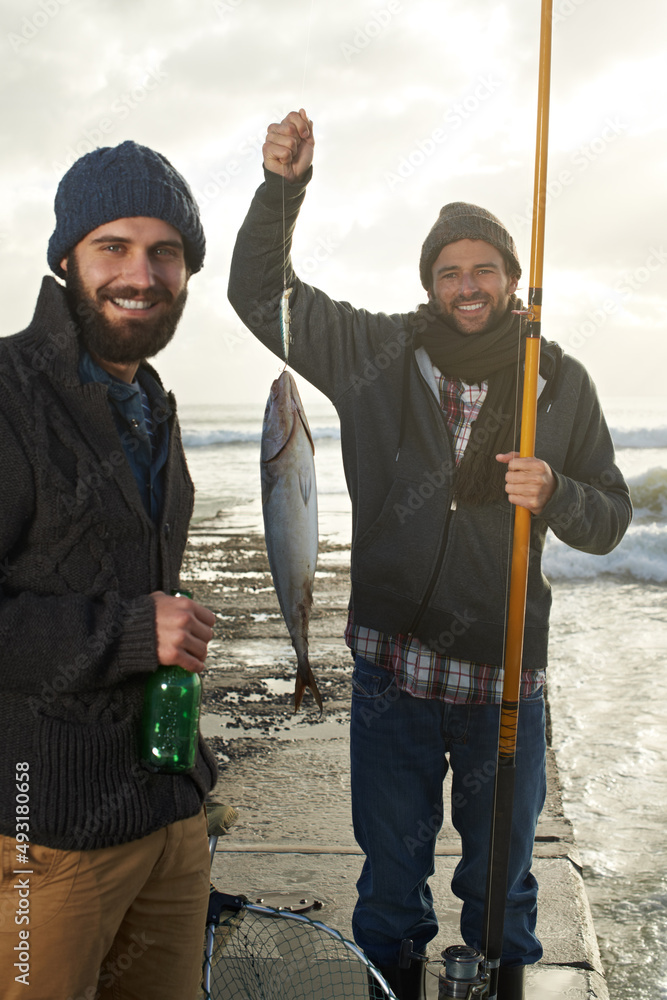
<point>415,103</point>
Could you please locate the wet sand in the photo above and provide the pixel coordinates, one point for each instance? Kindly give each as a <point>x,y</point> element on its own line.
<point>251,666</point>
<point>248,703</point>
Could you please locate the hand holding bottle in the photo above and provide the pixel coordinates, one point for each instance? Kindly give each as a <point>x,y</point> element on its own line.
<point>184,629</point>
<point>172,698</point>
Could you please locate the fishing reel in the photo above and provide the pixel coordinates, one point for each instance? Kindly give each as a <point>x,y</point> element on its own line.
<point>462,977</point>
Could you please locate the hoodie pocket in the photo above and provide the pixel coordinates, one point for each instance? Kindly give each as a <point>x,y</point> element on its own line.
<point>397,551</point>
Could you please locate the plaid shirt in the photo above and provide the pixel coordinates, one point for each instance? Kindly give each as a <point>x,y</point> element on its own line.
<point>419,670</point>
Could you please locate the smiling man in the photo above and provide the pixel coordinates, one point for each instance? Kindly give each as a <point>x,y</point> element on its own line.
<point>122,324</point>
<point>426,401</point>
<point>95,502</point>
<point>470,283</point>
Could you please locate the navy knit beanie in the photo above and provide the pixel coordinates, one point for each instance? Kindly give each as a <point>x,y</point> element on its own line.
<point>461,221</point>
<point>121,182</point>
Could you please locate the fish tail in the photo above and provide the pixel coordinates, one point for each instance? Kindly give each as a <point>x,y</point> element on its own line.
<point>306,682</point>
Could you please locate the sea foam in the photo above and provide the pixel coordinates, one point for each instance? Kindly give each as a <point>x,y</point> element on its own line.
<point>649,494</point>
<point>220,436</point>
<point>642,554</point>
<point>639,437</point>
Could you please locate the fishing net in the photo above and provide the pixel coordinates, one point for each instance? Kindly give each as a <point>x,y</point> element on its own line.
<point>257,952</point>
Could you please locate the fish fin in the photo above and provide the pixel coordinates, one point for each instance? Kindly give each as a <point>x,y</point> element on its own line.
<point>306,427</point>
<point>305,487</point>
<point>298,408</point>
<point>301,686</point>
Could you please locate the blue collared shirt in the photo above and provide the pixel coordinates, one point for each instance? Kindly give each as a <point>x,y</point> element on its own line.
<point>138,408</point>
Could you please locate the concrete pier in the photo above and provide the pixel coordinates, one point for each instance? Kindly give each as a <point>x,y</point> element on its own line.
<point>325,866</point>
<point>288,776</point>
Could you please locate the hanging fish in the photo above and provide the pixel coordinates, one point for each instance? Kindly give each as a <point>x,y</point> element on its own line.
<point>289,506</point>
<point>285,318</point>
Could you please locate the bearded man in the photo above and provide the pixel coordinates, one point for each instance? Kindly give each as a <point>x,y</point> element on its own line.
<point>426,402</point>
<point>95,501</point>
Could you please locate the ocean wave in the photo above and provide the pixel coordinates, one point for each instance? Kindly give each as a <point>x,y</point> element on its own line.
<point>639,437</point>
<point>642,554</point>
<point>228,436</point>
<point>623,437</point>
<point>219,436</point>
<point>649,494</point>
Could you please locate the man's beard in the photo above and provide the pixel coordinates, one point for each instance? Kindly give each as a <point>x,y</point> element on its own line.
<point>496,315</point>
<point>125,341</point>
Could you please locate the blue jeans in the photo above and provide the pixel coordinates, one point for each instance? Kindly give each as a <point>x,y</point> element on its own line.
<point>399,747</point>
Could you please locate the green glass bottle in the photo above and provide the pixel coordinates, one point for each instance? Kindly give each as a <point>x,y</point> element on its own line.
<point>170,724</point>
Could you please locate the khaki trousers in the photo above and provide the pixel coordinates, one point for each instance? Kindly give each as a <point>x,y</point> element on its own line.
<point>119,923</point>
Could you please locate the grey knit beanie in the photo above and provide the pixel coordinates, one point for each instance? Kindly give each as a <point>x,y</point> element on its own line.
<point>461,221</point>
<point>121,182</point>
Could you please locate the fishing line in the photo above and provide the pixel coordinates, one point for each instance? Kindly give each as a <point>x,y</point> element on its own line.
<point>508,571</point>
<point>501,825</point>
<point>305,61</point>
<point>510,526</point>
<point>285,317</point>
<point>285,313</point>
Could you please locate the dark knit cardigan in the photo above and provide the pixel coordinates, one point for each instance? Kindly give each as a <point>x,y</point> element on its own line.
<point>79,558</point>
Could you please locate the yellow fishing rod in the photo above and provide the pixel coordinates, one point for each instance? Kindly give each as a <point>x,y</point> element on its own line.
<point>469,973</point>
<point>516,616</point>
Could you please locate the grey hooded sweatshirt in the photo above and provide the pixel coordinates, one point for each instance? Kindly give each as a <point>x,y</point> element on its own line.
<point>422,565</point>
